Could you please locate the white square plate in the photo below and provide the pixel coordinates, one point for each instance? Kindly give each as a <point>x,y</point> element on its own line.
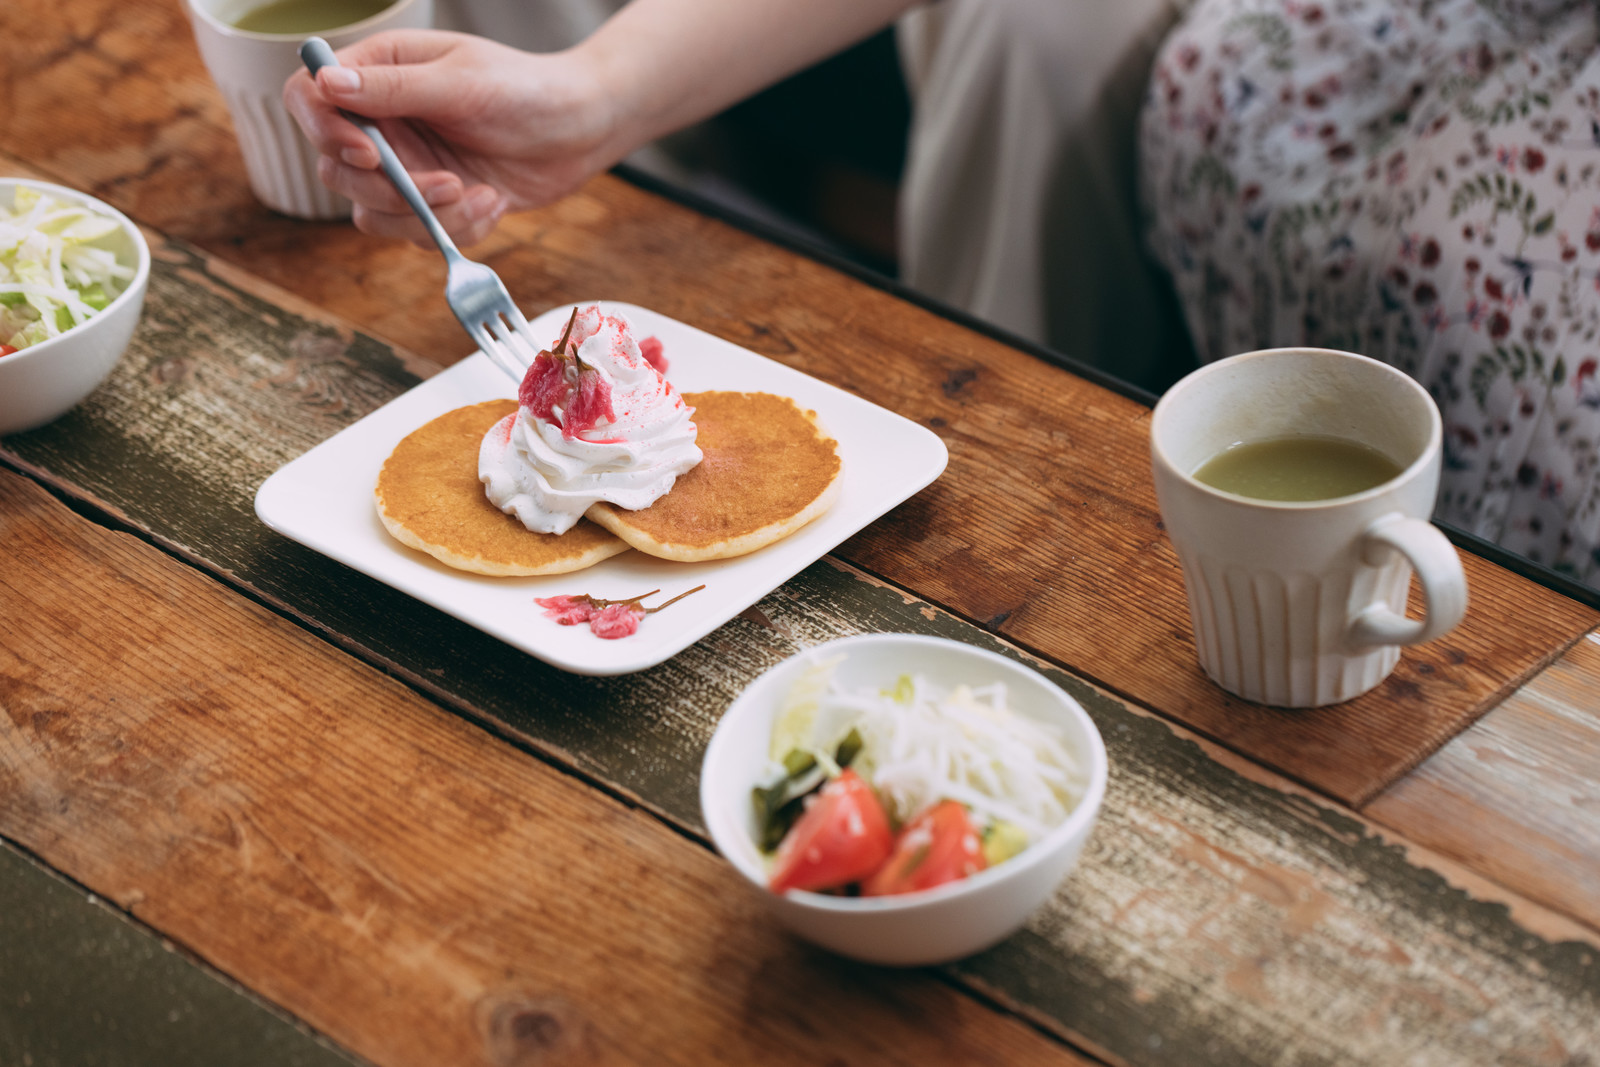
<point>324,500</point>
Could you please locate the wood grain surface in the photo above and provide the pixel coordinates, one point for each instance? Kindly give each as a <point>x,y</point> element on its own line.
<point>80,984</point>
<point>1217,918</point>
<point>1517,796</point>
<point>1191,855</point>
<point>1043,528</point>
<point>1121,935</point>
<point>415,889</point>
<point>1221,915</point>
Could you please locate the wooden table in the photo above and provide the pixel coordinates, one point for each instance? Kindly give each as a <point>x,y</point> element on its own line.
<point>257,808</point>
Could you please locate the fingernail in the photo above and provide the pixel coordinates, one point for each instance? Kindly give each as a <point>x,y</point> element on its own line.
<point>340,79</point>
<point>442,193</point>
<point>357,157</point>
<point>482,201</point>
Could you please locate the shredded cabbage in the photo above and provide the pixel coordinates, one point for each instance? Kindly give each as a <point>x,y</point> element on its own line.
<point>922,744</point>
<point>52,277</point>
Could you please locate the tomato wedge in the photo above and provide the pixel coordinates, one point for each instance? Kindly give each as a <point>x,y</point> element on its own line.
<point>940,845</point>
<point>6,350</point>
<point>842,837</point>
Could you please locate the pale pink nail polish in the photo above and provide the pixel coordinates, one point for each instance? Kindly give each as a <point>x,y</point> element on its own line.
<point>340,79</point>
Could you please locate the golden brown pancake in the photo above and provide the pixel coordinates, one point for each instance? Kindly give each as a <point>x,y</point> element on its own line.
<point>429,497</point>
<point>768,470</point>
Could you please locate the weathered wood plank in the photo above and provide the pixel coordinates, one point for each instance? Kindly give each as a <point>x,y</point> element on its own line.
<point>412,887</point>
<point>1043,528</point>
<point>644,733</point>
<point>1093,982</point>
<point>647,733</point>
<point>1272,906</point>
<point>80,984</point>
<point>1218,917</point>
<point>223,386</point>
<point>1517,796</point>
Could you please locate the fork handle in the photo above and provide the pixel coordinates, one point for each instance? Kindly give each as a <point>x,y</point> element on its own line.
<point>316,54</point>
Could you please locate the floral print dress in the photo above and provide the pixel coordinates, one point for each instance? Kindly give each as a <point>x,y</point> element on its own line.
<point>1418,181</point>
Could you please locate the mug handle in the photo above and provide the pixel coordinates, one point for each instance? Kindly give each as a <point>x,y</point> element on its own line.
<point>1438,569</point>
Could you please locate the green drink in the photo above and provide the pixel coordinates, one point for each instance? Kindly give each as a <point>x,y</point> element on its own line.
<point>1297,468</point>
<point>307,16</point>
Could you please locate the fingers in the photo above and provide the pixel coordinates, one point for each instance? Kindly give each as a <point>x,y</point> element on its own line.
<point>468,220</point>
<point>419,91</point>
<point>386,77</point>
<point>328,131</point>
<point>383,76</point>
<point>373,188</point>
<point>399,47</point>
<point>394,75</point>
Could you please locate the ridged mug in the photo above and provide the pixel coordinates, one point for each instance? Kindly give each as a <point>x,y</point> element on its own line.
<point>1301,604</point>
<point>250,68</point>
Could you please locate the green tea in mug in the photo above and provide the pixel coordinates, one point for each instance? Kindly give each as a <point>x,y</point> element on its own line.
<point>1297,468</point>
<point>307,16</point>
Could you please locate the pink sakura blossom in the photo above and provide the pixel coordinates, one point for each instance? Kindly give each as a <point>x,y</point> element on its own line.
<point>608,619</point>
<point>616,620</point>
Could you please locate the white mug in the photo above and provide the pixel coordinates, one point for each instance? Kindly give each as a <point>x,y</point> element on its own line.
<point>250,69</point>
<point>1300,604</point>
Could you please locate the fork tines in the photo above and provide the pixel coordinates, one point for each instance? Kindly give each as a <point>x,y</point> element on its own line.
<point>505,338</point>
<point>492,319</point>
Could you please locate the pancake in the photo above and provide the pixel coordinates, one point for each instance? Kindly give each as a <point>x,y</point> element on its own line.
<point>769,469</point>
<point>430,498</point>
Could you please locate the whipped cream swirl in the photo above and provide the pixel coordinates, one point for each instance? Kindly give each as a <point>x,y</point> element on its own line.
<point>530,468</point>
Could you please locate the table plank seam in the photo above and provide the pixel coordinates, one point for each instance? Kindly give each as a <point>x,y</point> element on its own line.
<point>1497,697</point>
<point>1362,797</point>
<point>184,951</point>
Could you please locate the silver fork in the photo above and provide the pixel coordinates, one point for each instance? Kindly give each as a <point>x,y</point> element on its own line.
<point>473,291</point>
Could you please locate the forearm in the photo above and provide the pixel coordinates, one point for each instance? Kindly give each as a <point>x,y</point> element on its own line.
<point>668,63</point>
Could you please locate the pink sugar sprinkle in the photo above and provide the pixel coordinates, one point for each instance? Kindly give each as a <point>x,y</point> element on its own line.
<point>587,324</point>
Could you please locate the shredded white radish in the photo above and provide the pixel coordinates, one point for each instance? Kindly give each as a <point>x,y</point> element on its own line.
<point>922,744</point>
<point>51,279</point>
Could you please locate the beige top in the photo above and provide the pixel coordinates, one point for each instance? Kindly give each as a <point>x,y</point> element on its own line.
<point>1019,202</point>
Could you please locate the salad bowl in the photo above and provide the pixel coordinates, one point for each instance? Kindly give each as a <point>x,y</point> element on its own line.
<point>43,380</point>
<point>930,926</point>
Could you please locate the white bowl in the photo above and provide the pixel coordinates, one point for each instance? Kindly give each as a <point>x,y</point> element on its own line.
<point>42,381</point>
<point>936,925</point>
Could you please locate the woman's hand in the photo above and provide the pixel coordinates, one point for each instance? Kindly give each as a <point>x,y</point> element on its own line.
<point>482,128</point>
<point>485,129</point>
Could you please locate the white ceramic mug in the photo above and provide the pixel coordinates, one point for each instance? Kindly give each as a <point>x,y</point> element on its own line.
<point>250,69</point>
<point>1300,604</point>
